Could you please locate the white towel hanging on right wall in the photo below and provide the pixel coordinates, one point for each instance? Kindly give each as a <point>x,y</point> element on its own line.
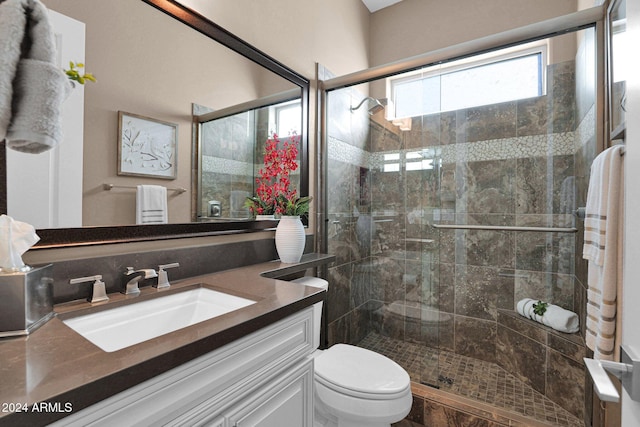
<point>603,239</point>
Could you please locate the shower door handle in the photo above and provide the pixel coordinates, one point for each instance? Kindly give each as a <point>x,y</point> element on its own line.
<point>602,384</point>
<point>628,370</point>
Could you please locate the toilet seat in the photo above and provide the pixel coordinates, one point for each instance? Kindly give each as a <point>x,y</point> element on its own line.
<point>361,373</point>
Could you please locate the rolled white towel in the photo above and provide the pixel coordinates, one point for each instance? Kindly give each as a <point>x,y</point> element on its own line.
<point>554,317</point>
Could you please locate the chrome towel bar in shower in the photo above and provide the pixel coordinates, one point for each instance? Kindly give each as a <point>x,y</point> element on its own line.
<point>506,228</point>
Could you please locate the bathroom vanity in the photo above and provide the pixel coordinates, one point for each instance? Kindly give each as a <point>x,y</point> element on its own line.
<point>250,366</point>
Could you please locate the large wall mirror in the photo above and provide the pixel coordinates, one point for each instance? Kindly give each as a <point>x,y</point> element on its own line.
<point>162,61</point>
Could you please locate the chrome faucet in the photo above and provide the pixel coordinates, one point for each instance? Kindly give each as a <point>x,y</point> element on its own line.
<point>132,285</point>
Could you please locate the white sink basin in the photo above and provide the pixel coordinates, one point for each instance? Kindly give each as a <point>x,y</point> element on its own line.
<point>121,327</point>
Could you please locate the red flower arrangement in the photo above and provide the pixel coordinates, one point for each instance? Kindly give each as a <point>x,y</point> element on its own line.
<point>274,194</point>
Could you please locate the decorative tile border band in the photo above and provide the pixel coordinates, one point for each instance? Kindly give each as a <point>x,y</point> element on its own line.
<point>496,149</point>
<point>510,148</point>
<point>346,153</point>
<point>231,167</point>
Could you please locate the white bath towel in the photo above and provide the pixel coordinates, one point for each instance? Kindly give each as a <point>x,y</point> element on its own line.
<point>603,249</point>
<point>32,86</point>
<point>554,317</point>
<point>151,204</point>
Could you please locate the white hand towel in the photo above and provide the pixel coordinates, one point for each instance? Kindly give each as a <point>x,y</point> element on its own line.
<point>554,317</point>
<point>603,238</point>
<point>33,87</point>
<point>151,204</point>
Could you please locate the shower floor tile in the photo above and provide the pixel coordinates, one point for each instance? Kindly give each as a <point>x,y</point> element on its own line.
<point>476,379</point>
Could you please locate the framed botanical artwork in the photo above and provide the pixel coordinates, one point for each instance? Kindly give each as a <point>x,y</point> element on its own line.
<point>147,147</point>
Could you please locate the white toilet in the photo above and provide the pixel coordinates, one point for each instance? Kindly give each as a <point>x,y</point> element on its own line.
<point>355,387</point>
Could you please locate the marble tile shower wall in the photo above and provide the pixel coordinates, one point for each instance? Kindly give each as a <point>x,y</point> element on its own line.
<point>515,163</point>
<point>227,163</point>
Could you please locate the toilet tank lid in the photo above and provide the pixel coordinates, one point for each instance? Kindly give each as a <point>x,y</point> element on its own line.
<point>361,370</point>
<point>316,282</point>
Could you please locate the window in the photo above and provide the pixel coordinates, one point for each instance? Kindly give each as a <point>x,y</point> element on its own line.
<point>621,43</point>
<point>424,159</point>
<point>391,162</point>
<point>492,78</point>
<point>419,160</point>
<point>288,118</point>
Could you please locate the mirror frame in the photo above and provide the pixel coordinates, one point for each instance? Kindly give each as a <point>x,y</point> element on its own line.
<point>67,237</point>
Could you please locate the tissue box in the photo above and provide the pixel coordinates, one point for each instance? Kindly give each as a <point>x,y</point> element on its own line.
<point>26,300</point>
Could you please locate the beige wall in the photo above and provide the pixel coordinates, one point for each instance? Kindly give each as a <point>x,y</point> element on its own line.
<point>299,33</point>
<point>412,27</point>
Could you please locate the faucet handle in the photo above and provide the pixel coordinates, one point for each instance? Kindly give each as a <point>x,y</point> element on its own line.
<point>163,278</point>
<point>99,292</point>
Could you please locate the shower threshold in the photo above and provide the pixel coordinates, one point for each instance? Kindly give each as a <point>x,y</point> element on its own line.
<point>472,379</point>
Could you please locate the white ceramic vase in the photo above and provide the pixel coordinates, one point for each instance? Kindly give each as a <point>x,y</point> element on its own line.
<point>290,239</point>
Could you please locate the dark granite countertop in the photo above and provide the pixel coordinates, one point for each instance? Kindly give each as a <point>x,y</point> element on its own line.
<point>58,366</point>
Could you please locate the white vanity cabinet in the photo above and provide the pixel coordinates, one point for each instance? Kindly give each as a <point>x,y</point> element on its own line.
<point>286,403</point>
<point>264,379</point>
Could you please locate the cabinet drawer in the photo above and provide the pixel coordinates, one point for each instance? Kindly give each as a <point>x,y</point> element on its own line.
<point>288,402</point>
<point>285,400</point>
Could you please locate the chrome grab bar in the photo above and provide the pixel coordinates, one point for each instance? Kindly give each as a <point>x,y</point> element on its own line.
<point>506,228</point>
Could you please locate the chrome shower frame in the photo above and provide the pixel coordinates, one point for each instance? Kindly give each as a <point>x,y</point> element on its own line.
<point>592,17</point>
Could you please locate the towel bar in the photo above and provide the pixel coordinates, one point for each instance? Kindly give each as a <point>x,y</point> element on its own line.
<point>506,228</point>
<point>108,187</point>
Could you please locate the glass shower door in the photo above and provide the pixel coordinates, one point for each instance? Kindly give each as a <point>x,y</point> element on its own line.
<point>383,280</point>
<point>422,200</point>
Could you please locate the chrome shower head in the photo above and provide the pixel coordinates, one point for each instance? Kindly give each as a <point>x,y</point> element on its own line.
<point>374,108</point>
